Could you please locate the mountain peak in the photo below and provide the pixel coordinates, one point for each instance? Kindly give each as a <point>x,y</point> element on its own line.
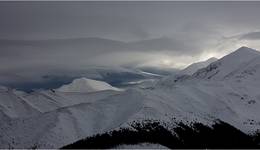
<point>86,85</point>
<point>212,59</point>
<point>229,64</point>
<point>243,53</point>
<point>246,49</point>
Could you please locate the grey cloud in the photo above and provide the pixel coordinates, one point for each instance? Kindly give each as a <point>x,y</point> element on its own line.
<point>81,50</point>
<point>60,34</point>
<point>121,20</point>
<point>250,36</point>
<point>45,20</point>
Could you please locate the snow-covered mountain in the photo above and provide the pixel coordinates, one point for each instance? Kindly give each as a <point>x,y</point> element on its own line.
<point>230,65</point>
<point>85,85</point>
<point>231,84</point>
<point>227,89</point>
<point>196,66</point>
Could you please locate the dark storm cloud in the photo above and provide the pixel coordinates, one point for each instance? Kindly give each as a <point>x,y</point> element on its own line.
<point>119,33</point>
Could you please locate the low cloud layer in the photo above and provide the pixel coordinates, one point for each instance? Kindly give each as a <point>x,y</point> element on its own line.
<point>76,35</point>
<point>250,36</point>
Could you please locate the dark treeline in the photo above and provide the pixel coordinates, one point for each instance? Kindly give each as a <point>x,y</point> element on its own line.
<point>220,135</point>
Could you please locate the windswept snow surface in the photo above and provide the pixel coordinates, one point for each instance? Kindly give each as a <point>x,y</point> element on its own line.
<point>227,89</point>
<point>85,85</point>
<point>141,146</point>
<point>13,105</point>
<point>58,127</point>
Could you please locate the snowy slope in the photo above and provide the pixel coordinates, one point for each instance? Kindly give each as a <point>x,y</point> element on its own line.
<point>56,128</point>
<point>45,101</point>
<point>197,102</point>
<point>141,146</point>
<point>13,105</point>
<point>234,103</point>
<point>196,66</point>
<point>85,85</point>
<point>228,88</point>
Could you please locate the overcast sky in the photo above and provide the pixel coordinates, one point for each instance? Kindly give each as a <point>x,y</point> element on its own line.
<point>166,34</point>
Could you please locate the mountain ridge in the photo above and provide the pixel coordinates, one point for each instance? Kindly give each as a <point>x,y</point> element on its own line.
<point>227,64</point>
<point>66,117</point>
<point>189,70</point>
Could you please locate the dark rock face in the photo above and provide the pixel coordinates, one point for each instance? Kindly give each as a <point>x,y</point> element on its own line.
<point>196,135</point>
